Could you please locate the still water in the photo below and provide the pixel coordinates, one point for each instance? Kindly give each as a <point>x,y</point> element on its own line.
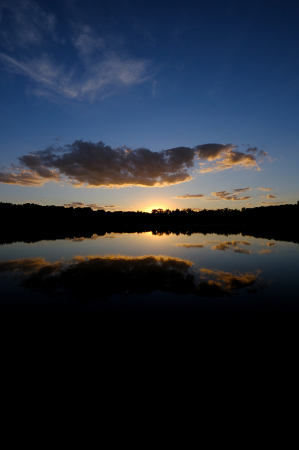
<point>151,275</point>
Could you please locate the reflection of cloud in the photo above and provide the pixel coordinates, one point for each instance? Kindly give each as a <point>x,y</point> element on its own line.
<point>242,250</point>
<point>29,266</point>
<point>100,277</point>
<point>93,206</point>
<point>228,282</point>
<point>265,251</point>
<point>265,189</point>
<point>224,246</point>
<point>190,245</point>
<point>269,244</point>
<point>96,164</point>
<point>94,237</point>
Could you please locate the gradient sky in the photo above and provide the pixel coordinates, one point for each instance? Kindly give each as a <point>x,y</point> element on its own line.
<point>139,105</point>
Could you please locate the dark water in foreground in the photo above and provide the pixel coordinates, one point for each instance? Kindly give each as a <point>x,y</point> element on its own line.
<point>145,276</point>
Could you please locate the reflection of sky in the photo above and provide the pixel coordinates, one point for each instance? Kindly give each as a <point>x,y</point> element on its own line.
<point>212,252</point>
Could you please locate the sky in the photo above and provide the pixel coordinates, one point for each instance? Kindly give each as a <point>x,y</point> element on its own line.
<point>130,105</point>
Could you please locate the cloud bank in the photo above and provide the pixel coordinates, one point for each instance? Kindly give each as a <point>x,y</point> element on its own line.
<point>88,164</point>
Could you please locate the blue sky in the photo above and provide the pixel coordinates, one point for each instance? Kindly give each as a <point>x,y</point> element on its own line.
<point>132,105</point>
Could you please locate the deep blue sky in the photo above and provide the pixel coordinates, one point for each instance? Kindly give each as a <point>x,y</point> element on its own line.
<point>149,75</point>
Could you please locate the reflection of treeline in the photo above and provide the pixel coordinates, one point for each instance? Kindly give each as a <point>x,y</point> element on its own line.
<point>31,222</point>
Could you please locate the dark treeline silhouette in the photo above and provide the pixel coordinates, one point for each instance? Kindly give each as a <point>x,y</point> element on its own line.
<point>31,223</point>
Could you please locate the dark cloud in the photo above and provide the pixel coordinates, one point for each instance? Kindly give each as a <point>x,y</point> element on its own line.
<point>86,163</point>
<point>190,196</point>
<point>96,164</point>
<point>271,196</point>
<point>224,195</point>
<point>213,151</point>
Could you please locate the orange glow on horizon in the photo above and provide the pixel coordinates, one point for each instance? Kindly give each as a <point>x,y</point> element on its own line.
<point>150,208</point>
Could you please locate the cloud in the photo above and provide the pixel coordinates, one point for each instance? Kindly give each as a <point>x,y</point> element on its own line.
<point>265,189</point>
<point>190,196</point>
<point>95,165</point>
<point>53,78</point>
<point>273,203</point>
<point>255,151</point>
<point>23,23</point>
<point>228,156</point>
<point>25,178</point>
<point>94,206</point>
<point>271,196</point>
<point>242,190</point>
<point>98,67</point>
<point>265,251</point>
<point>224,195</point>
<point>88,164</point>
<point>213,151</point>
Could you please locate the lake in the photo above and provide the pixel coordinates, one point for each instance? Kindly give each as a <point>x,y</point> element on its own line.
<point>146,275</point>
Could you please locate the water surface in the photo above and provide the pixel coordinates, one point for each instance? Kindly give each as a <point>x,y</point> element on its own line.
<point>150,275</point>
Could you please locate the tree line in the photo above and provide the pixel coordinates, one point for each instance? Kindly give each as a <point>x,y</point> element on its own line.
<point>31,222</point>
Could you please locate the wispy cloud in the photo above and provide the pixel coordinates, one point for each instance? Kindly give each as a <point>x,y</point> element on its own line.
<point>24,23</point>
<point>106,67</point>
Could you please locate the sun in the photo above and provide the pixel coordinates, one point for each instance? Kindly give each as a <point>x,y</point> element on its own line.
<point>153,206</point>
